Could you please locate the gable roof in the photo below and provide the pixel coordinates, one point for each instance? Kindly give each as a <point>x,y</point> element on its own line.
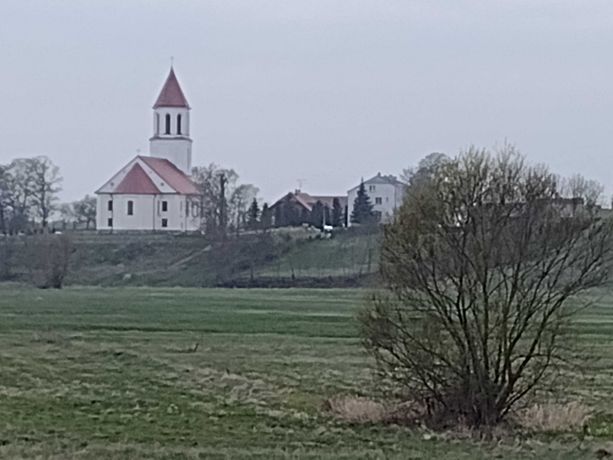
<point>137,182</point>
<point>150,175</point>
<point>171,94</point>
<point>308,201</point>
<point>172,175</point>
<point>381,179</point>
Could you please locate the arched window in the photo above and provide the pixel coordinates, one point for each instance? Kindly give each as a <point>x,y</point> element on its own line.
<point>157,124</point>
<point>179,124</point>
<point>167,123</point>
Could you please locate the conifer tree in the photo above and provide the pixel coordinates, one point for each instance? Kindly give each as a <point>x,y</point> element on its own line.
<point>266,217</point>
<point>337,213</point>
<point>253,214</point>
<point>362,207</point>
<point>318,215</point>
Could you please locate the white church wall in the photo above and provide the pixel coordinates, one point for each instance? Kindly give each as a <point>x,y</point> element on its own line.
<point>148,213</point>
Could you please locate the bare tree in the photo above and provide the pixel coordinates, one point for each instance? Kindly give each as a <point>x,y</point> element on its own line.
<point>425,168</point>
<point>18,186</point>
<point>5,199</point>
<point>238,205</point>
<point>479,268</point>
<point>85,210</point>
<point>586,190</point>
<point>45,181</point>
<point>225,201</point>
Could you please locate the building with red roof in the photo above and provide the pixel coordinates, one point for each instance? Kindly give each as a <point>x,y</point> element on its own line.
<point>156,192</point>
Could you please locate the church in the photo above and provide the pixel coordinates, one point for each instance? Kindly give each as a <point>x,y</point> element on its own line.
<point>155,192</point>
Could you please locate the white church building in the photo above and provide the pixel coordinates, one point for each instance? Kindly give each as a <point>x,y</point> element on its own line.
<point>155,192</point>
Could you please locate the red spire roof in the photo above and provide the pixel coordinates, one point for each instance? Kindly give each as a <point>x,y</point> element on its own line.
<point>137,182</point>
<point>171,94</point>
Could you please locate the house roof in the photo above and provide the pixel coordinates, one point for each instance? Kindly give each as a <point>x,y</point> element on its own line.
<point>172,175</point>
<point>329,200</point>
<point>137,182</point>
<point>308,201</point>
<point>381,179</point>
<point>171,94</point>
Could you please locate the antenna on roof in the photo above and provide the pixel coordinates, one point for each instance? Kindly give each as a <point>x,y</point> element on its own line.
<point>300,183</point>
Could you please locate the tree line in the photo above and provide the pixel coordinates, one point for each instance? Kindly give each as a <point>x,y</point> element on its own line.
<point>29,197</point>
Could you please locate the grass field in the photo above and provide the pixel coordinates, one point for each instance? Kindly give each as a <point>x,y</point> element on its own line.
<point>187,373</point>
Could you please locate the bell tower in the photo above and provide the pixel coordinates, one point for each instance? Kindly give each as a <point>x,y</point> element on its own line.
<point>171,126</point>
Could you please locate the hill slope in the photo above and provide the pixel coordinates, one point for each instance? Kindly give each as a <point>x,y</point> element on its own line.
<point>296,257</point>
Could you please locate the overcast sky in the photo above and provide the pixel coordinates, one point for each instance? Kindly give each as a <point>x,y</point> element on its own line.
<point>324,91</point>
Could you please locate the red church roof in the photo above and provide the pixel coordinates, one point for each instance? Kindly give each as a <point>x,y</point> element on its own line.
<point>172,175</point>
<point>171,94</point>
<point>137,182</point>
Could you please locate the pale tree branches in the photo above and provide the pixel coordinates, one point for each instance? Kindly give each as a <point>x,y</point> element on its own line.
<point>29,190</point>
<point>225,201</point>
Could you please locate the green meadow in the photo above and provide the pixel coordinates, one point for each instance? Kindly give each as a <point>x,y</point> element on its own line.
<point>124,373</point>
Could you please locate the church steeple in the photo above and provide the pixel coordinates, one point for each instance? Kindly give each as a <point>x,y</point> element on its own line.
<point>171,125</point>
<point>171,94</point>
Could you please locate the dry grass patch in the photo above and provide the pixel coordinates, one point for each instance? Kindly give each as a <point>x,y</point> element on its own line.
<point>555,417</point>
<point>359,409</point>
<point>356,409</point>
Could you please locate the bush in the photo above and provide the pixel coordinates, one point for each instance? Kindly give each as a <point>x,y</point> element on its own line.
<point>479,267</point>
<point>47,258</point>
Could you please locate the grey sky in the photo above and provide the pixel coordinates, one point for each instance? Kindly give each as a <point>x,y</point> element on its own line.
<point>326,91</point>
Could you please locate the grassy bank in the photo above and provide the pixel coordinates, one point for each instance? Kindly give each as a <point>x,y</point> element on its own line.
<point>284,257</point>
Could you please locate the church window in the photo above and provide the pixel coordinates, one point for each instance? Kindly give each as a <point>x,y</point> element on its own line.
<point>164,223</point>
<point>130,208</point>
<point>164,206</point>
<point>179,124</point>
<point>187,209</point>
<point>109,205</point>
<point>157,124</point>
<point>167,124</point>
<point>109,222</point>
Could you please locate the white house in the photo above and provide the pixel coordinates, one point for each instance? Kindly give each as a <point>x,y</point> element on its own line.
<point>156,193</point>
<point>385,192</point>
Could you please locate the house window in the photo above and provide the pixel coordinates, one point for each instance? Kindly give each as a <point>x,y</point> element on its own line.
<point>371,188</point>
<point>164,223</point>
<point>179,124</point>
<point>164,206</point>
<point>187,209</point>
<point>109,222</point>
<point>130,208</point>
<point>167,124</point>
<point>378,200</point>
<point>109,205</point>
